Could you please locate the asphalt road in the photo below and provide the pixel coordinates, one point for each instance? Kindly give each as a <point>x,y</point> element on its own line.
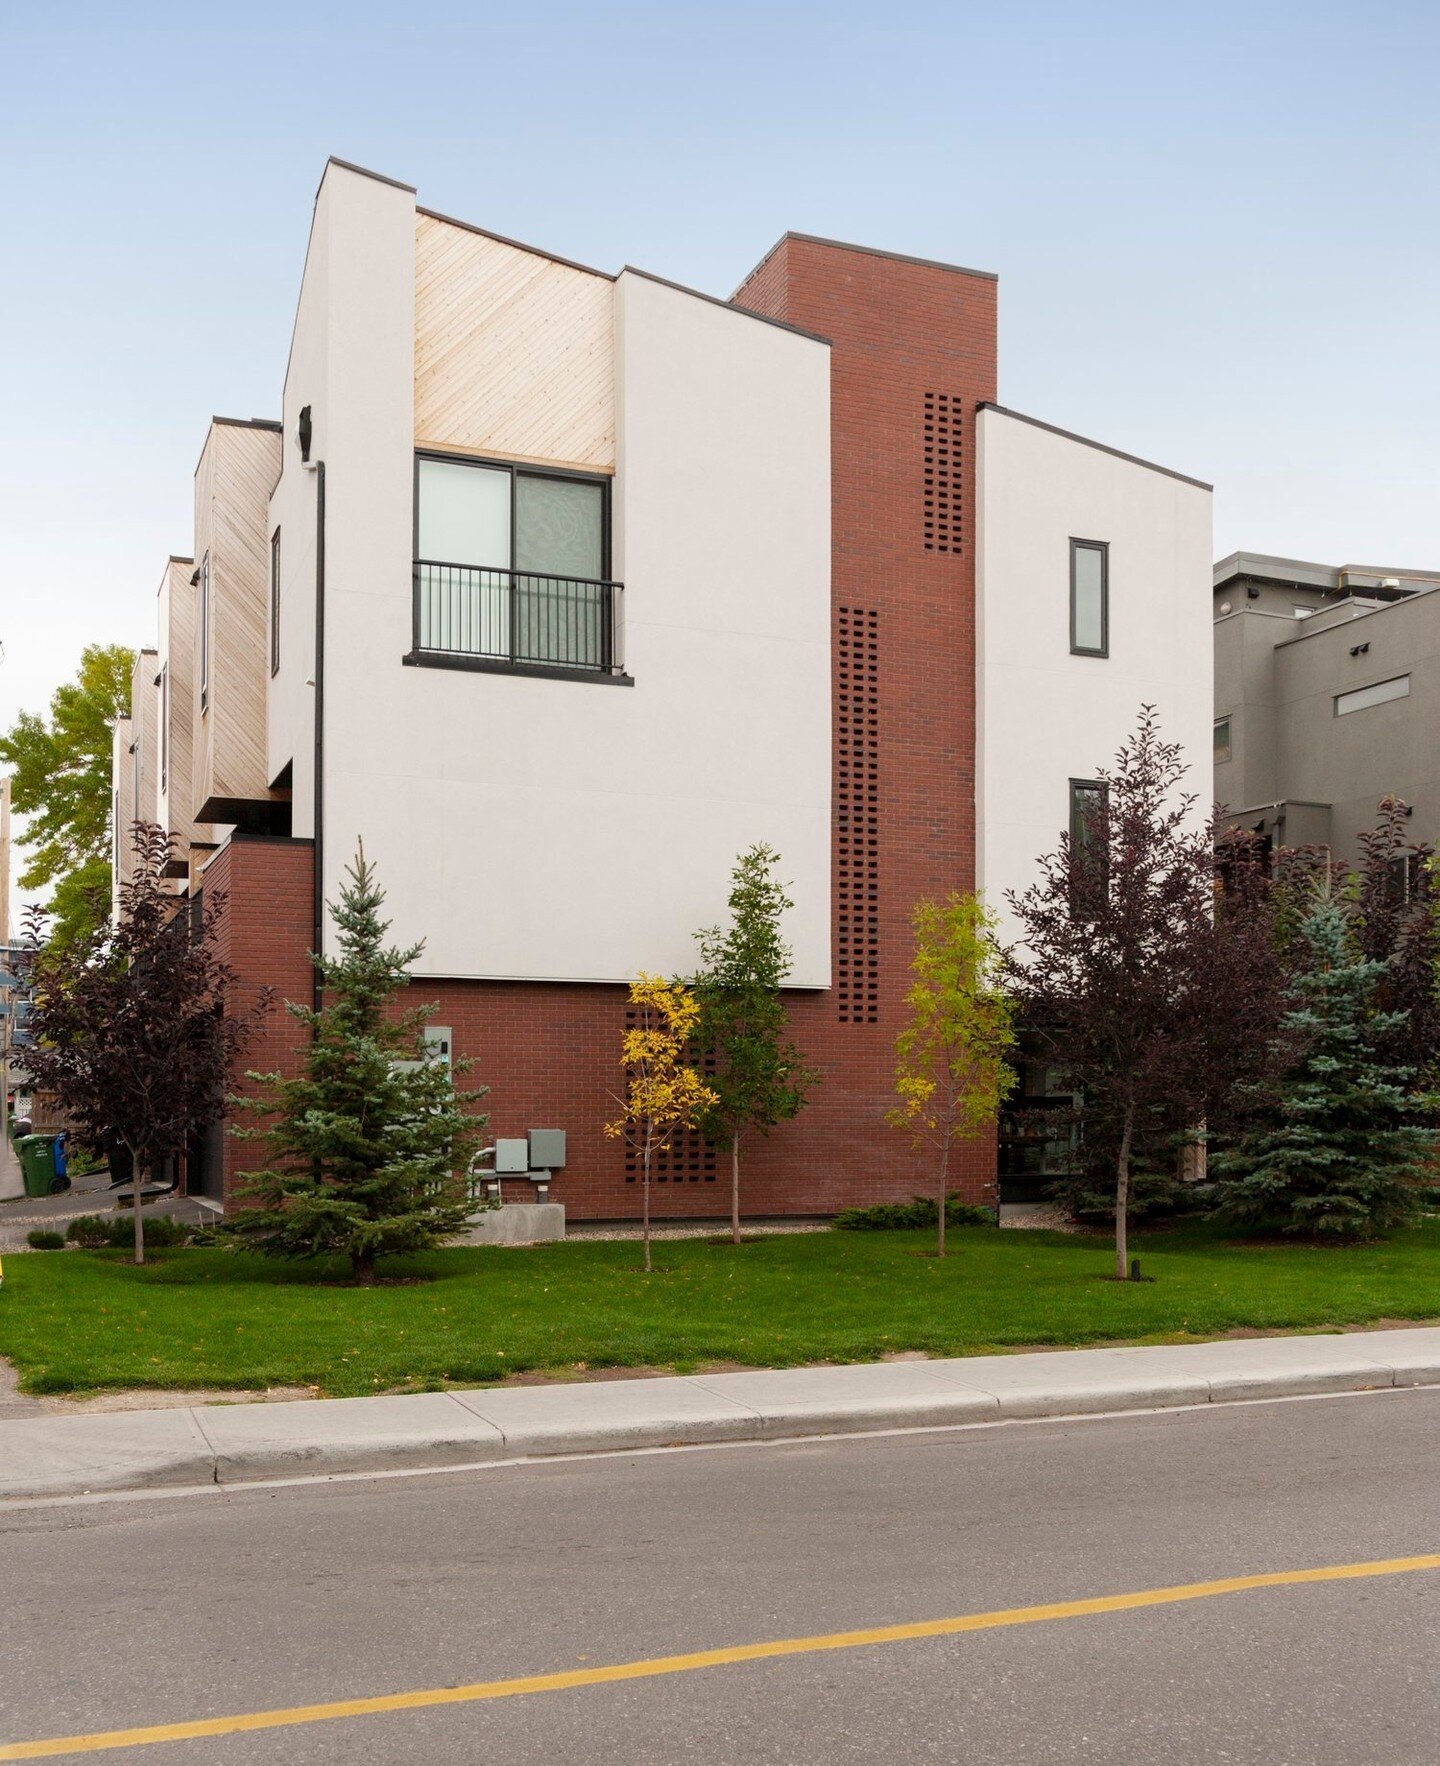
<point>144,1612</point>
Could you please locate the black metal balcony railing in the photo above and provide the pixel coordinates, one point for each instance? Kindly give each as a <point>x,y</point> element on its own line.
<point>523,617</point>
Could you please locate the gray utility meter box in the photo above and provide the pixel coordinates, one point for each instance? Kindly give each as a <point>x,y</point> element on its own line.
<point>547,1149</point>
<point>511,1156</point>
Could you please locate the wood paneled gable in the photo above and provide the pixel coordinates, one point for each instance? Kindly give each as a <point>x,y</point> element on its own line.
<point>514,351</point>
<point>237,472</point>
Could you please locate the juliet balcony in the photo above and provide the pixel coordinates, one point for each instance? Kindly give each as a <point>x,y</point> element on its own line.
<point>517,622</point>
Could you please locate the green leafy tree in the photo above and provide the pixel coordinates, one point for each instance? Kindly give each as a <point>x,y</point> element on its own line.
<point>756,1073</point>
<point>370,1140</point>
<point>1338,1154</point>
<point>951,1074</point>
<point>60,783</point>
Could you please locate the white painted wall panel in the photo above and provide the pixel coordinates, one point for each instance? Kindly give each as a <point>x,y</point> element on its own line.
<point>568,830</point>
<point>1046,716</point>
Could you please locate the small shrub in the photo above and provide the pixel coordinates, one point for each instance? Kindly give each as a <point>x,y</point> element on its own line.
<point>89,1231</point>
<point>39,1240</point>
<point>908,1216</point>
<point>160,1231</point>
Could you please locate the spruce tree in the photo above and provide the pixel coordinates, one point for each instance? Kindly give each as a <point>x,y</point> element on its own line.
<point>370,1141</point>
<point>1337,1154</point>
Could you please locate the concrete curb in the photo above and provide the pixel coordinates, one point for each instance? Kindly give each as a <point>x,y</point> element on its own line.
<point>46,1457</point>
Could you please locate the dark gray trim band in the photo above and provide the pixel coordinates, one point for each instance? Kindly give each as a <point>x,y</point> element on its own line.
<point>486,665</point>
<point>346,165</point>
<point>535,251</point>
<point>728,305</point>
<point>249,423</point>
<point>1099,447</point>
<point>869,251</point>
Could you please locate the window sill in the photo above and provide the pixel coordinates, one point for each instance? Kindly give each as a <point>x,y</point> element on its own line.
<point>488,665</point>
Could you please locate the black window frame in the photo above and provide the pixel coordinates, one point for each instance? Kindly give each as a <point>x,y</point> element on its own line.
<point>275,603</point>
<point>1103,548</point>
<point>165,725</point>
<point>1078,828</point>
<point>517,469</point>
<point>204,625</point>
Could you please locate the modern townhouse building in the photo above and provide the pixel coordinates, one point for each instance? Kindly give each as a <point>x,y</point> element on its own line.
<point>560,588</point>
<point>1327,698</point>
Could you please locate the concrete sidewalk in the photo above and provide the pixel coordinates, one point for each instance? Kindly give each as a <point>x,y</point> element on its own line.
<point>217,1443</point>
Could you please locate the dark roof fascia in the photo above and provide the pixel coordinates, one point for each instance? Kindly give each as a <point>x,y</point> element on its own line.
<point>270,423</point>
<point>535,251</point>
<point>1100,447</point>
<point>870,251</point>
<point>729,306</point>
<point>347,165</point>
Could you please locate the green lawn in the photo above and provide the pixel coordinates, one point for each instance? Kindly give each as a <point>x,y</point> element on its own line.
<point>79,1320</point>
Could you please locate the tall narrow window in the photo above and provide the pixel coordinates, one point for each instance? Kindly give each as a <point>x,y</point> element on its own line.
<point>205,631</point>
<point>275,602</point>
<point>1089,598</point>
<point>165,726</point>
<point>1089,846</point>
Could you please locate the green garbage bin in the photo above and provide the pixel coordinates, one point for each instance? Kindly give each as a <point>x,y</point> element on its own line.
<point>37,1164</point>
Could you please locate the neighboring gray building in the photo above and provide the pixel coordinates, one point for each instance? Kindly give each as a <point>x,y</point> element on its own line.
<point>1327,698</point>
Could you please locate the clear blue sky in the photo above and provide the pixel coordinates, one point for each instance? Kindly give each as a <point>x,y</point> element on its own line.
<point>1217,228</point>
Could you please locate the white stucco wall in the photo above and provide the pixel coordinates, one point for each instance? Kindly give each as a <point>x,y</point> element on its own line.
<point>1043,715</point>
<point>568,830</point>
<point>290,696</point>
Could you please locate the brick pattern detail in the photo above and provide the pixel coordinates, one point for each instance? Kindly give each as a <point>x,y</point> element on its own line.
<point>944,472</point>
<point>689,1157</point>
<point>857,815</point>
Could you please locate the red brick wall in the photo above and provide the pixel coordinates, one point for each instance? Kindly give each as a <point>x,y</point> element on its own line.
<point>265,935</point>
<point>898,331</point>
<point>549,1053</point>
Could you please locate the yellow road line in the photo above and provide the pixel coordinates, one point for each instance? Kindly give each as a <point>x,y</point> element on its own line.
<point>103,1740</point>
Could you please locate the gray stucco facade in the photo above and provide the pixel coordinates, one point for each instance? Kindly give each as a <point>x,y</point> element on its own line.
<point>1327,698</point>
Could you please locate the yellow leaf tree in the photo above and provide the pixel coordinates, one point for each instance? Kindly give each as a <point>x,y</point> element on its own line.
<point>950,1068</point>
<point>663,1092</point>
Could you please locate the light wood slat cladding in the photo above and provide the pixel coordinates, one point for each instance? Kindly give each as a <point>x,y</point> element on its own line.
<point>233,482</point>
<point>144,737</point>
<point>122,787</point>
<point>514,352</point>
<point>178,604</point>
